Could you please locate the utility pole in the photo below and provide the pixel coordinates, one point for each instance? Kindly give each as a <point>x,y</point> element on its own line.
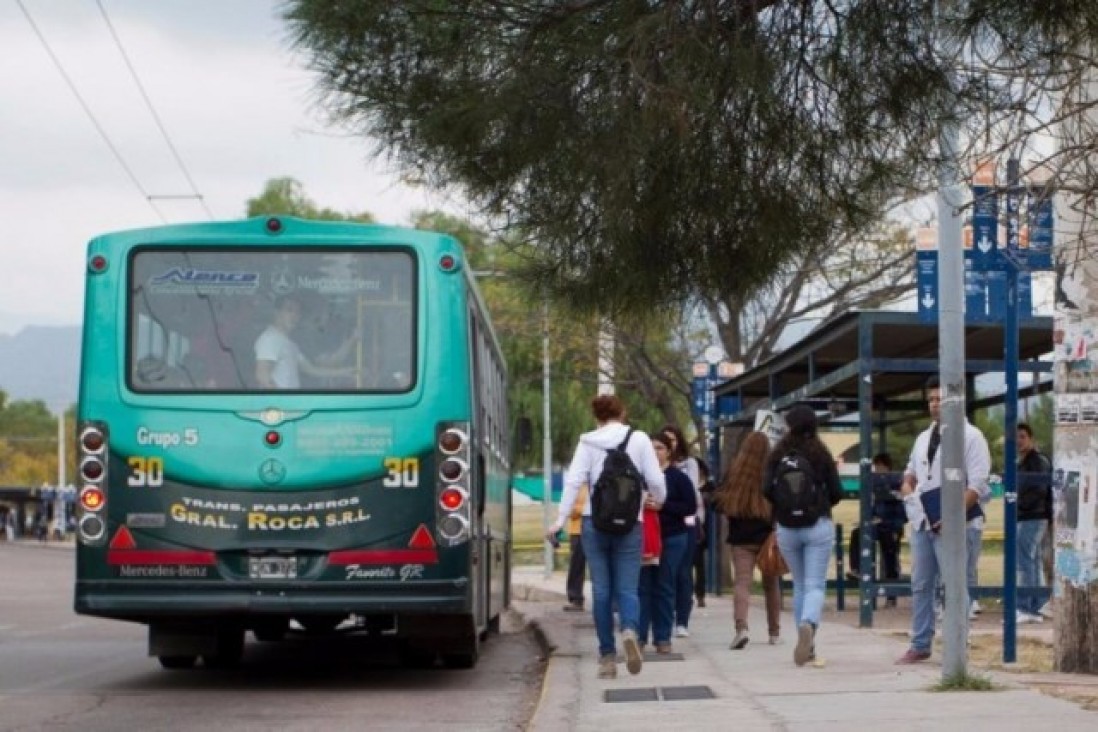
<point>951,355</point>
<point>1075,478</point>
<point>547,438</point>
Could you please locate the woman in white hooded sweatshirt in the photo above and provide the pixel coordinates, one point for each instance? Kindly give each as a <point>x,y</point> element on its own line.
<point>614,561</point>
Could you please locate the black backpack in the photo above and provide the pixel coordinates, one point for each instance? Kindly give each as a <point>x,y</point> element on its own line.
<point>796,495</point>
<point>617,495</point>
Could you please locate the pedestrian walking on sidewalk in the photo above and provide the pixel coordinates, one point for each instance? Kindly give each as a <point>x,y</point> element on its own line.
<point>706,488</point>
<point>750,522</point>
<point>688,464</point>
<point>613,559</point>
<point>577,563</point>
<point>1034,514</point>
<point>676,541</point>
<point>802,484</point>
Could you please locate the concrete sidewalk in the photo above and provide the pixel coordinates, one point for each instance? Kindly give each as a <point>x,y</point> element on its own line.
<point>759,687</point>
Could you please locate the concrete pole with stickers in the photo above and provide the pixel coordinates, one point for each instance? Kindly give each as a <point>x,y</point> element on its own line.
<point>951,356</point>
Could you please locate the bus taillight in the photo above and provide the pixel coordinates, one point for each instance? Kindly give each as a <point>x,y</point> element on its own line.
<point>91,498</point>
<point>453,515</point>
<point>452,499</point>
<point>451,441</point>
<point>92,445</point>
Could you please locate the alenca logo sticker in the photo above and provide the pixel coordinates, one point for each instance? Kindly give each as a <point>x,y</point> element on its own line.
<point>188,279</point>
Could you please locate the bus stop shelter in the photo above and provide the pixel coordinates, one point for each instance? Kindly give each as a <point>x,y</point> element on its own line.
<point>873,364</point>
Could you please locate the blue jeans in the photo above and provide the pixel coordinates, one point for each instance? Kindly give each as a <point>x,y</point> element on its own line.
<point>807,552</point>
<point>614,564</point>
<point>1028,547</point>
<point>648,593</point>
<point>676,559</point>
<point>926,557</point>
<point>683,579</point>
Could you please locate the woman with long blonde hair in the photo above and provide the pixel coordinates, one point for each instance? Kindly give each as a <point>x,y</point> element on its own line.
<point>750,521</point>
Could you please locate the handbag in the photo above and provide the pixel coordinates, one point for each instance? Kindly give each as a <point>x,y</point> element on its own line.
<point>770,560</point>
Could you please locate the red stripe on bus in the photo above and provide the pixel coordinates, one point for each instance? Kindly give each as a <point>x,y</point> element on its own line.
<point>384,556</point>
<point>154,556</point>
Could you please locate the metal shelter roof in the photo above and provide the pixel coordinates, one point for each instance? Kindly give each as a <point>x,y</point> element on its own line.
<point>894,349</point>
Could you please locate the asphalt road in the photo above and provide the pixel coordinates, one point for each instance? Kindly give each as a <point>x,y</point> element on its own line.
<point>60,671</point>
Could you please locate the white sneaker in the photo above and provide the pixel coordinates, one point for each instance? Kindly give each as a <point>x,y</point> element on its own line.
<point>1046,610</point>
<point>975,608</point>
<point>1023,618</point>
<point>681,631</point>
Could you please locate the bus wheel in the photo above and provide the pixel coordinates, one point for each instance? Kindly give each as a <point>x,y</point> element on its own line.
<point>465,658</point>
<point>230,649</point>
<point>320,623</point>
<point>418,658</point>
<point>177,662</point>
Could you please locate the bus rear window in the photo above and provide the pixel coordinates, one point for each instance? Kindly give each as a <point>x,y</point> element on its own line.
<point>307,320</point>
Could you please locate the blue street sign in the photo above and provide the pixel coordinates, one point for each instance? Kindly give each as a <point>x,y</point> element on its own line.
<point>996,283</point>
<point>697,396</point>
<point>985,228</point>
<point>1041,215</point>
<point>975,293</point>
<point>926,275</point>
<point>1025,295</point>
<point>727,406</point>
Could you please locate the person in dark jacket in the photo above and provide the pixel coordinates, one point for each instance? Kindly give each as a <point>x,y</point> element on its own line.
<point>677,540</point>
<point>1034,514</point>
<point>750,521</point>
<point>806,549</point>
<point>888,519</point>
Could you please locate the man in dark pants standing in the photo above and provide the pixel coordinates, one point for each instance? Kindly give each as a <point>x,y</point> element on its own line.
<point>1034,514</point>
<point>577,563</point>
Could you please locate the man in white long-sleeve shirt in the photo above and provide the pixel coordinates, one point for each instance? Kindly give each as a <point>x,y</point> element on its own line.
<point>614,561</point>
<point>923,476</point>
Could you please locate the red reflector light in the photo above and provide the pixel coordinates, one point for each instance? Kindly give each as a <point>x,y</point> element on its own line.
<point>98,263</point>
<point>274,225</point>
<point>272,438</point>
<point>92,498</point>
<point>452,499</point>
<point>447,262</point>
<point>123,539</point>
<point>422,539</point>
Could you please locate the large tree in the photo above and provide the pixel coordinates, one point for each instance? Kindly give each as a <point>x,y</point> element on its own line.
<point>651,151</point>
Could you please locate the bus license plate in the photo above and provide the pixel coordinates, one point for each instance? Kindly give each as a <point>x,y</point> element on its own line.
<point>272,567</point>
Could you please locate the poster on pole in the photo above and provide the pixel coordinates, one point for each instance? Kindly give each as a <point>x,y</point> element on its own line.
<point>772,424</point>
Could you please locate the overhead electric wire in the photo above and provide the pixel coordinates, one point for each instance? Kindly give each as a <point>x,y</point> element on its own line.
<point>87,110</point>
<point>152,110</point>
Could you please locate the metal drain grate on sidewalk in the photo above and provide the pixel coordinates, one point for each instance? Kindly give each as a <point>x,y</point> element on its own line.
<point>658,693</point>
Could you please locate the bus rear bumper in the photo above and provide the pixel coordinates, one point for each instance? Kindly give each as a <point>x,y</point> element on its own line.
<point>148,601</point>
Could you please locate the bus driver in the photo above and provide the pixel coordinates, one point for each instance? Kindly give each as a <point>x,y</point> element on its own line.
<point>278,360</point>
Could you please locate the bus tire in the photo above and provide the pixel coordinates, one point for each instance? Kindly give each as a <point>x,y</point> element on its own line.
<point>230,649</point>
<point>177,663</point>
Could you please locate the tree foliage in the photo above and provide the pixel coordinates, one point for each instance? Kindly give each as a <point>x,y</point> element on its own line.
<point>696,146</point>
<point>287,197</point>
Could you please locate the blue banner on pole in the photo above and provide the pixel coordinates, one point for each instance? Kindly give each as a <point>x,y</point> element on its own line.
<point>985,228</point>
<point>1025,295</point>
<point>1041,214</point>
<point>926,274</point>
<point>975,293</point>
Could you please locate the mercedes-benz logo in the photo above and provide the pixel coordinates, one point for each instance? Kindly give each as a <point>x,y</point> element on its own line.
<point>282,282</point>
<point>272,471</point>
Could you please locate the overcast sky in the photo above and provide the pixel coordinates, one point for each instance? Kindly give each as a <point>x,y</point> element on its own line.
<point>237,105</point>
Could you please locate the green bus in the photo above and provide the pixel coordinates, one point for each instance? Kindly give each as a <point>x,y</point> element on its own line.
<point>294,428</point>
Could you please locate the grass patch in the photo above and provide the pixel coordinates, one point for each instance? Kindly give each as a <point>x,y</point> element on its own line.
<point>964,681</point>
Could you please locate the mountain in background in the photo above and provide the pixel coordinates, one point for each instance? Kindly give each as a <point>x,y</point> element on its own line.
<point>41,362</point>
